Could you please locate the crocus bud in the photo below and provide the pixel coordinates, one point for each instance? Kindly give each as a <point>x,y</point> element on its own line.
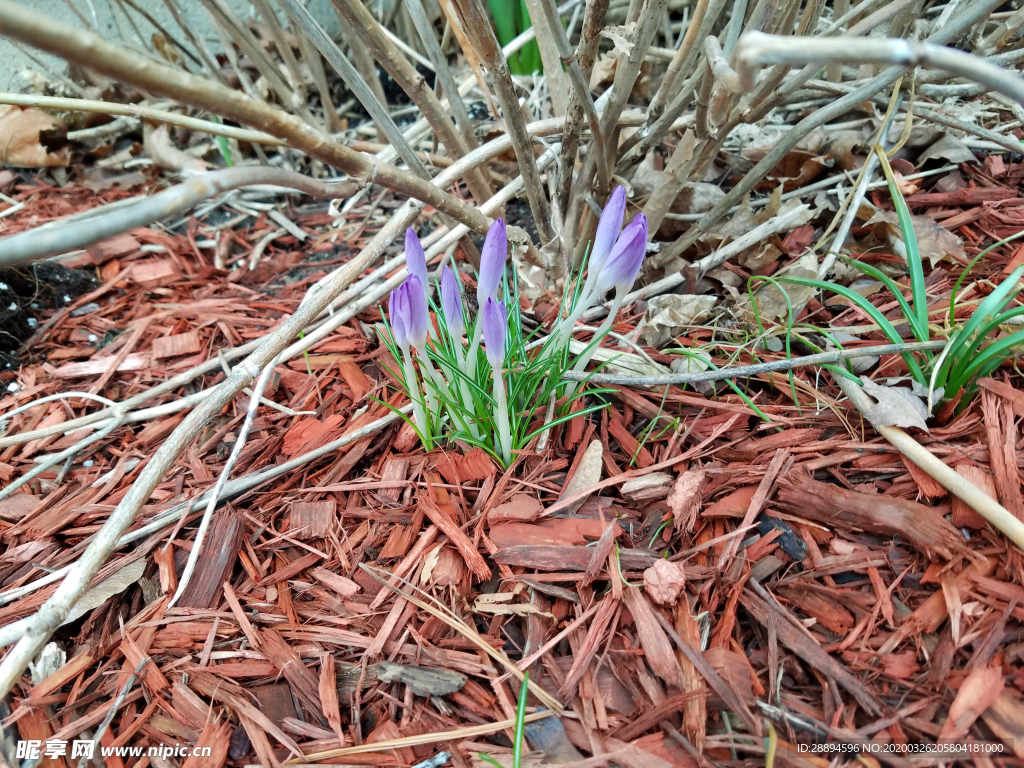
<point>408,314</point>
<point>398,312</point>
<point>418,319</point>
<point>415,259</point>
<point>492,262</point>
<point>623,264</point>
<point>608,228</point>
<point>495,327</point>
<point>451,302</point>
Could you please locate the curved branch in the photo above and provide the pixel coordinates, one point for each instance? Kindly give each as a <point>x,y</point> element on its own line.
<point>109,220</point>
<point>90,50</point>
<point>757,49</point>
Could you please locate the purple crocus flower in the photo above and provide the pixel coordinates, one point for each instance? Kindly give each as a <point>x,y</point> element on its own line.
<point>408,314</point>
<point>451,302</point>
<point>492,262</point>
<point>623,264</point>
<point>495,320</point>
<point>415,258</point>
<point>608,228</point>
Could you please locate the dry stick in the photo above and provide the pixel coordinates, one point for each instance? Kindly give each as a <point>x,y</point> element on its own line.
<point>378,112</point>
<point>853,202</point>
<point>745,371</point>
<point>57,458</point>
<point>757,49</point>
<point>243,434</point>
<point>209,64</point>
<point>660,116</point>
<point>970,494</point>
<point>627,69</point>
<point>551,58</point>
<point>135,110</point>
<point>91,50</point>
<point>56,609</point>
<point>478,26</point>
<point>225,17</point>
<point>315,63</point>
<point>413,83</point>
<point>103,222</point>
<point>586,54</point>
<point>284,49</point>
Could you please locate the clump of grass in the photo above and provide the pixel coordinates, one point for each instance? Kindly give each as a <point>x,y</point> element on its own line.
<point>969,353</point>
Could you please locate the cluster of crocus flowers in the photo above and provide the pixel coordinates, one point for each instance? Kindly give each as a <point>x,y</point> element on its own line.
<point>457,388</point>
<point>457,378</point>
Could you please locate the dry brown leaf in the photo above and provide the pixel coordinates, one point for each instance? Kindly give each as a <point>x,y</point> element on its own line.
<point>934,243</point>
<point>669,315</point>
<point>20,144</point>
<point>895,406</point>
<point>948,148</point>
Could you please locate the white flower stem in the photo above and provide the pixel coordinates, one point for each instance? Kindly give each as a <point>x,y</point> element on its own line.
<point>501,408</point>
<point>581,363</point>
<point>419,416</point>
<point>467,401</point>
<point>470,367</point>
<point>439,387</point>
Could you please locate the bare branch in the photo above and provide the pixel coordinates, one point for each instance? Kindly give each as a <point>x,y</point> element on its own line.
<point>758,49</point>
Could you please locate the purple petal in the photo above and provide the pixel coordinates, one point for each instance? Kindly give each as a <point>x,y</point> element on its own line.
<point>627,256</point>
<point>495,327</point>
<point>415,258</point>
<point>608,228</point>
<point>451,302</point>
<point>398,313</point>
<point>492,261</point>
<point>418,317</point>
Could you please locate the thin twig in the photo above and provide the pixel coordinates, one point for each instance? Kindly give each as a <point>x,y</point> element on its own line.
<point>360,89</point>
<point>236,451</point>
<point>139,111</point>
<point>744,371</point>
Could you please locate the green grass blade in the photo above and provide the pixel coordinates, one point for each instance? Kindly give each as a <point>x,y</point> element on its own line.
<point>920,332</point>
<point>517,746</point>
<point>914,265</point>
<point>871,311</point>
<point>994,353</point>
<point>993,303</point>
<point>969,267</point>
